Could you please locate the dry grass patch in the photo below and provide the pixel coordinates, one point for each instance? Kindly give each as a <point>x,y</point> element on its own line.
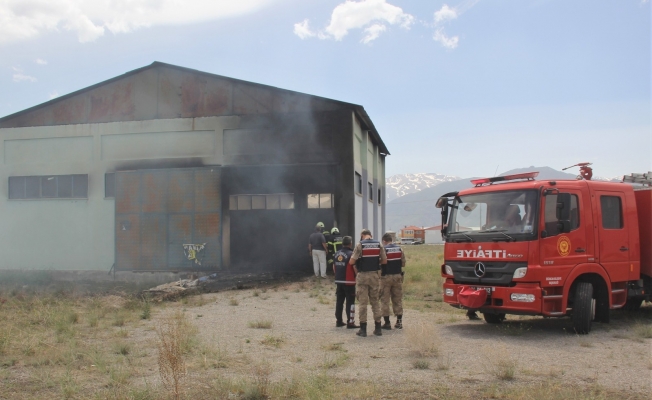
<point>642,330</point>
<point>421,364</point>
<point>334,347</point>
<point>335,360</point>
<point>423,339</point>
<point>261,324</point>
<point>233,301</point>
<point>175,337</point>
<point>273,341</point>
<point>499,362</point>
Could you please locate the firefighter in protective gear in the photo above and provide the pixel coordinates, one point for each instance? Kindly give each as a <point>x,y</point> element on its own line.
<point>391,283</point>
<point>334,241</point>
<point>367,258</point>
<point>345,281</point>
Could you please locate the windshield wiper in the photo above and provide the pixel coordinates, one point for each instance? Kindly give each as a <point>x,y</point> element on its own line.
<point>470,239</point>
<point>501,231</point>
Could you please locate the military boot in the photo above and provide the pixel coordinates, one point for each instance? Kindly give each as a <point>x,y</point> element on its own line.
<point>399,322</point>
<point>377,329</point>
<point>363,330</point>
<point>387,324</point>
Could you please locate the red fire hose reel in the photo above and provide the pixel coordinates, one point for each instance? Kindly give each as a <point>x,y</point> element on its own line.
<point>472,298</point>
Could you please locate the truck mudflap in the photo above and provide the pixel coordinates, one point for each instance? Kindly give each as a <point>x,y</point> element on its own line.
<point>523,298</point>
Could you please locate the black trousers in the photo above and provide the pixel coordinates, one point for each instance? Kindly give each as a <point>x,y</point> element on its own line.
<point>344,292</point>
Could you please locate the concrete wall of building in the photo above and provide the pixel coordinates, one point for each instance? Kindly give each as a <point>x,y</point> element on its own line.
<point>359,152</point>
<point>78,233</point>
<point>369,163</point>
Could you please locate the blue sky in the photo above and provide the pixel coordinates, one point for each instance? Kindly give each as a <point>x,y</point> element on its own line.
<point>455,87</point>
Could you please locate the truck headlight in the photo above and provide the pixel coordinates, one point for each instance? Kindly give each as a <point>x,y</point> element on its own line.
<point>448,270</point>
<point>526,298</point>
<point>520,272</point>
<point>450,292</point>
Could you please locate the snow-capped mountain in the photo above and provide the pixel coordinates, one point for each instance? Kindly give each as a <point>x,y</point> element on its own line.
<point>400,185</point>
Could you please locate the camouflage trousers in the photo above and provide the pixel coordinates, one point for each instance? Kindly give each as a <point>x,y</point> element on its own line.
<point>366,291</point>
<point>391,287</point>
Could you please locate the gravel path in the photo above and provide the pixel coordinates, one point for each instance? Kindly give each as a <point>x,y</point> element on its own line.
<point>613,355</point>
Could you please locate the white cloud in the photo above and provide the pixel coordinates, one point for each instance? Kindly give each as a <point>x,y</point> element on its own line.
<point>302,30</point>
<point>445,13</point>
<point>372,32</point>
<point>90,19</point>
<point>40,61</point>
<point>19,76</point>
<point>372,16</point>
<point>448,42</point>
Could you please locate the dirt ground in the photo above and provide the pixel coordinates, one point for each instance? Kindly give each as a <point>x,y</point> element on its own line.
<point>265,336</point>
<point>436,347</point>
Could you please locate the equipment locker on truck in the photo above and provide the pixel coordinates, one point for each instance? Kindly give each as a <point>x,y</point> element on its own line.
<point>551,248</point>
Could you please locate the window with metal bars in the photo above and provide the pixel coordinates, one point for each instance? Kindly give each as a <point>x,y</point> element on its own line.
<point>48,187</point>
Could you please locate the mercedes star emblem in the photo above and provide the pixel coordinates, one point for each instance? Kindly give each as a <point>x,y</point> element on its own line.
<point>479,270</point>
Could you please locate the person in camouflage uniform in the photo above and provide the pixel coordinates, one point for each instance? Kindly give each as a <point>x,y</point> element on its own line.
<point>367,258</point>
<point>391,283</point>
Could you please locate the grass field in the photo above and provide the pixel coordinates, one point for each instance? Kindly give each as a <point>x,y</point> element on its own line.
<point>56,343</point>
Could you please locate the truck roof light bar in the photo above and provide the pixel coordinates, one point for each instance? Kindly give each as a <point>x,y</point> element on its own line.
<point>527,176</point>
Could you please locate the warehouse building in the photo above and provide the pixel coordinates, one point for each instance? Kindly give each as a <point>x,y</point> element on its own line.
<point>166,168</point>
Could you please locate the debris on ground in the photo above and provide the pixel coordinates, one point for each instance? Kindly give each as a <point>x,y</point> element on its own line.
<point>216,282</point>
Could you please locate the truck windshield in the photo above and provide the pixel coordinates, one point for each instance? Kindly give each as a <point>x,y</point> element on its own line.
<point>510,212</point>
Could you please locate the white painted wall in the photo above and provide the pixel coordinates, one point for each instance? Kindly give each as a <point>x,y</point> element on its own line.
<point>433,237</point>
<point>79,233</point>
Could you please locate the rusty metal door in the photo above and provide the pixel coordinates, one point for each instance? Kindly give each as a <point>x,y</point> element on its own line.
<point>168,220</point>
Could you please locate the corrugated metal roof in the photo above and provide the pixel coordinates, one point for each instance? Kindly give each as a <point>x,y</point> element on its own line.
<point>358,109</point>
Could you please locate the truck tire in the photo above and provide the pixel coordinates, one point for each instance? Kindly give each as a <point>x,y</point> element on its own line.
<point>583,308</point>
<point>493,318</point>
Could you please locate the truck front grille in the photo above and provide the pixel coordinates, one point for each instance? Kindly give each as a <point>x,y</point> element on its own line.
<point>497,273</point>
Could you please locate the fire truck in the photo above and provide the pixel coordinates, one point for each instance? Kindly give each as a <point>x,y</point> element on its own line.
<point>578,248</point>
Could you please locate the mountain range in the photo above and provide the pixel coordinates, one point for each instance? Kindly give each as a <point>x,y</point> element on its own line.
<point>400,185</point>
<point>414,195</point>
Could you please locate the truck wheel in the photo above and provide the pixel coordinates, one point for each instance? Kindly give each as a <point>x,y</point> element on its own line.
<point>583,308</point>
<point>493,318</point>
<point>633,304</point>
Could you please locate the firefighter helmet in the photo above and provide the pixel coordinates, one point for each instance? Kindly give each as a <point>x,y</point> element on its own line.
<point>335,231</point>
<point>319,225</point>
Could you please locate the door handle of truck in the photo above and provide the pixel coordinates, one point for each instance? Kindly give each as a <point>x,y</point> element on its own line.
<point>623,248</point>
<point>580,250</point>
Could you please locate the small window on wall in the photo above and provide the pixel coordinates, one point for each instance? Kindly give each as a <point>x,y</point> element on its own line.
<point>109,185</point>
<point>379,196</point>
<point>612,213</point>
<point>320,200</point>
<point>370,191</point>
<point>48,187</point>
<point>283,201</point>
<point>358,183</point>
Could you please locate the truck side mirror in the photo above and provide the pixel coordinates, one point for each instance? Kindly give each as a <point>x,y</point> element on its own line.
<point>441,201</point>
<point>563,212</point>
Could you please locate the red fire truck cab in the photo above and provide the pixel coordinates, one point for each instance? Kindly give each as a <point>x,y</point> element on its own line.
<point>516,245</point>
